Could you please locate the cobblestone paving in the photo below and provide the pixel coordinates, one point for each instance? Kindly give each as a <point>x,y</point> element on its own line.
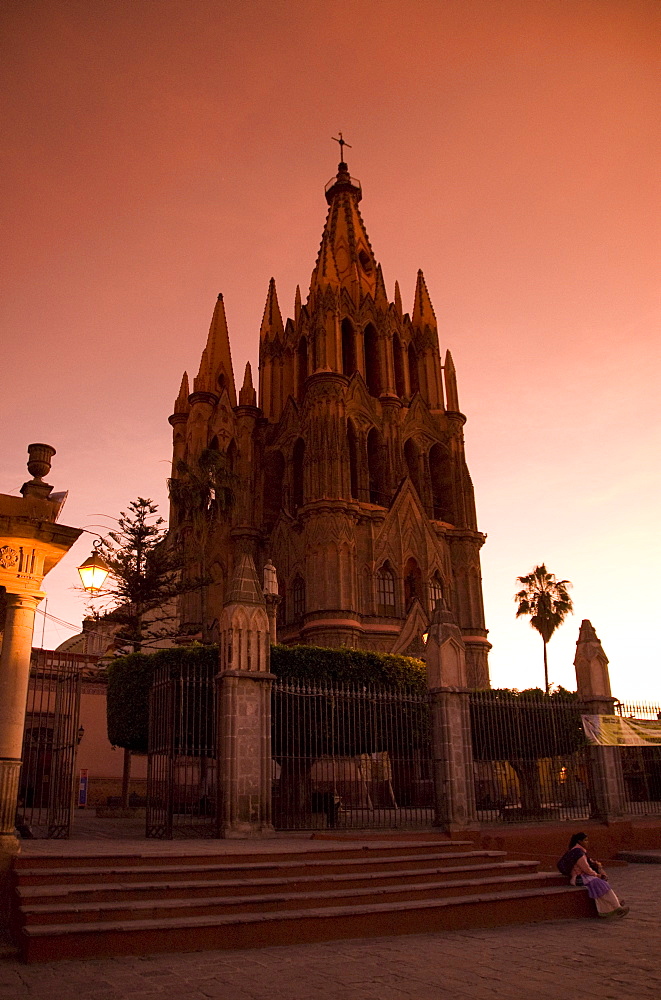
<point>564,960</point>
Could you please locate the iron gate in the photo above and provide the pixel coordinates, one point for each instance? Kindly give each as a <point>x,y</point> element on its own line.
<point>529,758</point>
<point>181,769</point>
<point>50,740</point>
<point>350,757</point>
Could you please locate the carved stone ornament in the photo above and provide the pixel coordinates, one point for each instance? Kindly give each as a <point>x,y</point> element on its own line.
<point>8,557</point>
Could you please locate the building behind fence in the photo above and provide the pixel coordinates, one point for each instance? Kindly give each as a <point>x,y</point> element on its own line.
<point>338,756</point>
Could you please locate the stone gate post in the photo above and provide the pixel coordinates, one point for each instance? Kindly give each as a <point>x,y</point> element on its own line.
<point>244,708</point>
<point>604,763</point>
<point>31,543</point>
<point>452,748</point>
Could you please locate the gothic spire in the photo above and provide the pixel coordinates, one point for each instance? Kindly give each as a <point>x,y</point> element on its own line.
<point>398,300</point>
<point>247,394</point>
<point>245,588</point>
<point>216,371</point>
<point>423,310</point>
<point>181,404</point>
<point>272,327</point>
<point>346,259</point>
<point>451,393</point>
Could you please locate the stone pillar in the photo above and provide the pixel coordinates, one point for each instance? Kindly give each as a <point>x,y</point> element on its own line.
<point>452,748</point>
<point>14,677</point>
<point>594,690</point>
<point>244,709</point>
<point>31,543</point>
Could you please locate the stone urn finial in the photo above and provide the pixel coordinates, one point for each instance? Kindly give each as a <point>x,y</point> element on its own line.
<point>39,462</point>
<point>38,466</point>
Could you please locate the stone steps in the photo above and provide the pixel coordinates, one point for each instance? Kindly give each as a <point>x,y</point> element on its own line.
<point>104,892</point>
<point>281,899</point>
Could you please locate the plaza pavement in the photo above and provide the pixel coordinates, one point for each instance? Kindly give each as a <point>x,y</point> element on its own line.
<point>564,960</point>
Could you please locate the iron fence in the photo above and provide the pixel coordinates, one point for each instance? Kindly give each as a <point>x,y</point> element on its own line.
<point>50,740</point>
<point>349,757</point>
<point>641,766</point>
<point>529,757</point>
<point>182,798</point>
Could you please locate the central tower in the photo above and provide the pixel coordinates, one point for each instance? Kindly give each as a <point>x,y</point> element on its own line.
<point>350,473</point>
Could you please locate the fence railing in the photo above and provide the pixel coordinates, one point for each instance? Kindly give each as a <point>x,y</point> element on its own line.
<point>641,766</point>
<point>50,740</point>
<point>181,768</point>
<point>529,758</point>
<point>348,756</point>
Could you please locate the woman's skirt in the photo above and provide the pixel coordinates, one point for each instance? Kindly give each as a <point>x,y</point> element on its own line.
<point>597,887</point>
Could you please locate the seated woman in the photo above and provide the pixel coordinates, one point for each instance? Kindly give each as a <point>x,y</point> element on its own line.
<point>582,870</point>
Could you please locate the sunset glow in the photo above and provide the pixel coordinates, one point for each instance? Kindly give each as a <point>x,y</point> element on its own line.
<point>158,153</point>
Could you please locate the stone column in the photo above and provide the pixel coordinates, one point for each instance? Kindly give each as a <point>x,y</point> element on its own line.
<point>244,709</point>
<point>14,677</point>
<point>604,763</point>
<point>452,747</point>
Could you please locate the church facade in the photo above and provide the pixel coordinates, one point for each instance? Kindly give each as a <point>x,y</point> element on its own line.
<point>347,470</point>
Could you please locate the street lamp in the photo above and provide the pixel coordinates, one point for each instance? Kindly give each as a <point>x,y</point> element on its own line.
<point>94,570</point>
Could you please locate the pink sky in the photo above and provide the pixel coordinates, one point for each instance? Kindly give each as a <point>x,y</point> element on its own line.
<point>156,152</point>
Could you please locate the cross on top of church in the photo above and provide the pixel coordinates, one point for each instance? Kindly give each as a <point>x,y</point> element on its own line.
<point>342,143</point>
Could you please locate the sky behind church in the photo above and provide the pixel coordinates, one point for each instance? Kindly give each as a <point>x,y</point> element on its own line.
<point>156,152</point>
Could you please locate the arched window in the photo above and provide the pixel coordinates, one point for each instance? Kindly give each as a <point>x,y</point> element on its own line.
<point>281,614</point>
<point>349,362</point>
<point>302,356</point>
<point>411,454</point>
<point>414,377</point>
<point>385,591</point>
<point>412,582</point>
<point>377,468</point>
<point>231,455</point>
<point>274,471</point>
<point>400,382</point>
<point>440,472</point>
<point>298,461</point>
<point>298,597</point>
<point>372,361</point>
<point>435,592</point>
<point>352,441</point>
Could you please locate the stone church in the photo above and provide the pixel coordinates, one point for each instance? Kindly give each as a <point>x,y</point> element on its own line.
<point>347,467</point>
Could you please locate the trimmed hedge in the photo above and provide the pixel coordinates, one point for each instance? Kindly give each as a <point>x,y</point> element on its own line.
<point>129,678</point>
<point>315,664</point>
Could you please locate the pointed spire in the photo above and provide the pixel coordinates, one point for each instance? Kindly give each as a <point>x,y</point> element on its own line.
<point>398,301</point>
<point>272,326</point>
<point>245,588</point>
<point>216,371</point>
<point>451,392</point>
<point>345,257</point>
<point>423,310</point>
<point>181,404</point>
<point>247,395</point>
<point>297,304</point>
<point>381,295</point>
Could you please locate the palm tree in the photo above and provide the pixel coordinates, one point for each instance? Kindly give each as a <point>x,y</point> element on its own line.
<point>547,602</point>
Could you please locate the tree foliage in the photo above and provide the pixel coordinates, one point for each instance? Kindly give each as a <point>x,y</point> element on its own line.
<point>130,678</point>
<point>144,580</point>
<point>204,494</point>
<point>548,603</point>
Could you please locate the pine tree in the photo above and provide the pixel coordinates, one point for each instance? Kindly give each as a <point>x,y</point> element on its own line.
<point>144,581</point>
